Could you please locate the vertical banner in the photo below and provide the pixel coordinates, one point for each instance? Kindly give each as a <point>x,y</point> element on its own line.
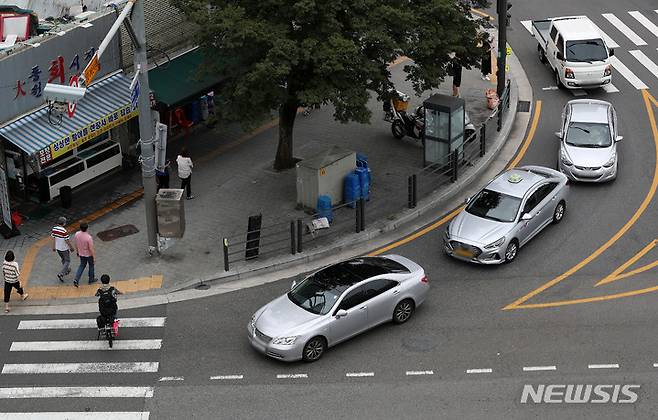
<point>4,199</point>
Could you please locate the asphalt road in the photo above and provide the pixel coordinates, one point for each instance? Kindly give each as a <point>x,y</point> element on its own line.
<point>461,355</point>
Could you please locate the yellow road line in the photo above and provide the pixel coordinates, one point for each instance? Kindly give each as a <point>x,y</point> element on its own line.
<point>615,274</point>
<point>455,212</point>
<point>648,99</point>
<point>88,290</point>
<point>637,270</point>
<point>586,300</point>
<point>528,140</point>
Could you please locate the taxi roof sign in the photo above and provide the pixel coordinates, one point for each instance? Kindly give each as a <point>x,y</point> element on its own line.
<point>515,178</point>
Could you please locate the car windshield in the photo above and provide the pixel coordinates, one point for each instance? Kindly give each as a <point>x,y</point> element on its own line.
<point>588,50</point>
<point>495,206</point>
<point>592,135</point>
<point>319,292</point>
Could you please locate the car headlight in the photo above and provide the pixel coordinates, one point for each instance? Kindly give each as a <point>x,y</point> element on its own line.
<point>446,234</point>
<point>611,161</point>
<point>607,71</point>
<point>498,243</point>
<point>564,158</point>
<point>285,341</point>
<point>252,323</point>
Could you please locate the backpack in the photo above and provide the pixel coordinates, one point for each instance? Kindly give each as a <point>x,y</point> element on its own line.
<point>107,303</point>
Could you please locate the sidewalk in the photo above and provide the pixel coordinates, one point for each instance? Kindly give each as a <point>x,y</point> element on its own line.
<point>232,179</point>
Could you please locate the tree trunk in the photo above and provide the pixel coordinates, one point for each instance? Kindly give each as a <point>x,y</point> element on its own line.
<point>287,114</point>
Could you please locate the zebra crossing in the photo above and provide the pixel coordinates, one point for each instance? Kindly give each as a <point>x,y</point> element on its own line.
<point>52,371</point>
<point>634,36</point>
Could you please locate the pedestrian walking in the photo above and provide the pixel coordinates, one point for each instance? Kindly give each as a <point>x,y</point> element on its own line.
<point>185,171</point>
<point>62,244</point>
<point>485,60</point>
<point>12,274</point>
<point>456,77</point>
<point>162,176</point>
<point>84,245</point>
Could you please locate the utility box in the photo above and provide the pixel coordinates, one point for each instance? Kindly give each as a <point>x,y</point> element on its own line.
<point>323,174</point>
<point>444,128</point>
<point>170,206</point>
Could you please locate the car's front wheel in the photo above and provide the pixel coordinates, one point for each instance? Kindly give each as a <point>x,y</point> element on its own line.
<point>511,251</point>
<point>558,213</point>
<point>403,311</point>
<point>314,349</point>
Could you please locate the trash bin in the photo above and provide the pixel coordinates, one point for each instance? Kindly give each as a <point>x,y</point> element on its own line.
<point>66,196</point>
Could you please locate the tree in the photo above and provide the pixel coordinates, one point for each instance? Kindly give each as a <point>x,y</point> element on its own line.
<point>278,55</point>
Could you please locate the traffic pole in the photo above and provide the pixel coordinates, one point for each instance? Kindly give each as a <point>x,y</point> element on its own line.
<point>502,46</point>
<point>146,125</point>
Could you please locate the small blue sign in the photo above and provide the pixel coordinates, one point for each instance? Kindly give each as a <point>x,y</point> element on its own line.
<point>134,94</point>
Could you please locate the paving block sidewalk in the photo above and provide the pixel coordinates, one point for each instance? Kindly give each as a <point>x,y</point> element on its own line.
<point>232,179</point>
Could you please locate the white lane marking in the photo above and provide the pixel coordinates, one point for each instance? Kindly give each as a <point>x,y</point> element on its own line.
<point>550,88</point>
<point>226,377</point>
<point>118,367</point>
<point>627,74</point>
<point>291,375</point>
<point>419,372</point>
<point>621,26</point>
<point>90,415</point>
<point>655,364</point>
<point>578,92</point>
<point>604,366</point>
<point>645,61</point>
<point>610,88</point>
<point>608,41</point>
<point>479,370</point>
<point>77,392</point>
<point>154,344</point>
<point>538,368</point>
<point>645,22</point>
<point>54,324</point>
<point>527,24</point>
<point>359,374</point>
<point>171,378</point>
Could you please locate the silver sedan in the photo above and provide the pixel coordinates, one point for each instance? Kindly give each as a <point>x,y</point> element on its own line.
<point>337,303</point>
<point>513,208</point>
<point>588,141</point>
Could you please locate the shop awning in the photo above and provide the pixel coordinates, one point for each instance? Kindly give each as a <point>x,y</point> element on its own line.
<point>180,80</point>
<point>105,105</point>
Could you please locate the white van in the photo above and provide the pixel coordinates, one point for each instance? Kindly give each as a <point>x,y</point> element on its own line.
<point>575,50</point>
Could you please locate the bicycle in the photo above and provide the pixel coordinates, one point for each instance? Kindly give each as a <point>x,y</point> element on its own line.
<point>109,328</point>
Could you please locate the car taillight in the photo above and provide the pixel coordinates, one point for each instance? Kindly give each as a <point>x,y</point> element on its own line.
<point>424,279</point>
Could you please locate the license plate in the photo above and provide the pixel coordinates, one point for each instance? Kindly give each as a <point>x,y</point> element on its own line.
<point>464,253</point>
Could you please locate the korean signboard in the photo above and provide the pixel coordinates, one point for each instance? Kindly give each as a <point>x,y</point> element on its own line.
<point>58,59</point>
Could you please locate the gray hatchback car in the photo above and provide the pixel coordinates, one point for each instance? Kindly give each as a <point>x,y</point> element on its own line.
<point>513,208</point>
<point>337,303</point>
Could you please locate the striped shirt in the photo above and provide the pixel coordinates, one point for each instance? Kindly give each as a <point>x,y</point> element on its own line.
<point>61,236</point>
<point>10,271</point>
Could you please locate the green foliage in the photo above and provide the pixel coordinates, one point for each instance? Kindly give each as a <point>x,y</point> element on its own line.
<point>282,54</point>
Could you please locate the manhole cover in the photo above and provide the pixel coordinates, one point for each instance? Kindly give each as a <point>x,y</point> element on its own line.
<point>524,106</point>
<point>117,232</point>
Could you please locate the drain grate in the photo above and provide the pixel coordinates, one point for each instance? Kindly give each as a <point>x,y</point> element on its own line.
<point>524,106</point>
<point>117,232</point>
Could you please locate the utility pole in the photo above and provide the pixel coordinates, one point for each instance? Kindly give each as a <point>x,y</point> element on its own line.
<point>146,129</point>
<point>502,8</point>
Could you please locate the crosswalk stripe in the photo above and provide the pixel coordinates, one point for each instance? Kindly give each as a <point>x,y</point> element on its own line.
<point>77,392</point>
<point>118,367</point>
<point>609,42</point>
<point>150,344</point>
<point>90,415</point>
<point>645,61</point>
<point>627,74</point>
<point>54,324</point>
<point>527,24</point>
<point>645,22</point>
<point>610,88</point>
<point>621,26</point>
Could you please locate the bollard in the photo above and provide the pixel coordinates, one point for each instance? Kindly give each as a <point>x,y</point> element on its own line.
<point>414,189</point>
<point>483,140</point>
<point>358,216</point>
<point>300,231</point>
<point>225,246</point>
<point>293,236</point>
<point>362,218</point>
<point>410,192</point>
<point>453,161</point>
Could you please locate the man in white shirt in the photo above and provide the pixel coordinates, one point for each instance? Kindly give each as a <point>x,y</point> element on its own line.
<point>185,171</point>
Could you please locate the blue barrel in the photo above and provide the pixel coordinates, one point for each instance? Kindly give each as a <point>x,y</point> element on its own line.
<point>362,162</point>
<point>195,112</point>
<point>352,189</point>
<point>364,182</point>
<point>324,208</point>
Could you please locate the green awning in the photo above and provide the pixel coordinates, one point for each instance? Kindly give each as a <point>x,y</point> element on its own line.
<point>180,80</point>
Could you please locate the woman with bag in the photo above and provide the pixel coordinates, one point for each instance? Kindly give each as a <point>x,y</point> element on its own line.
<point>11,273</point>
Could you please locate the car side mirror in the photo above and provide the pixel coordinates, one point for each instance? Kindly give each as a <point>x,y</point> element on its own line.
<point>526,216</point>
<point>559,55</point>
<point>611,52</point>
<point>294,283</point>
<point>619,138</point>
<point>341,313</point>
<point>558,134</point>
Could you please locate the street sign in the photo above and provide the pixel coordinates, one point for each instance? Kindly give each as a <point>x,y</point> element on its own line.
<point>134,94</point>
<point>91,70</point>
